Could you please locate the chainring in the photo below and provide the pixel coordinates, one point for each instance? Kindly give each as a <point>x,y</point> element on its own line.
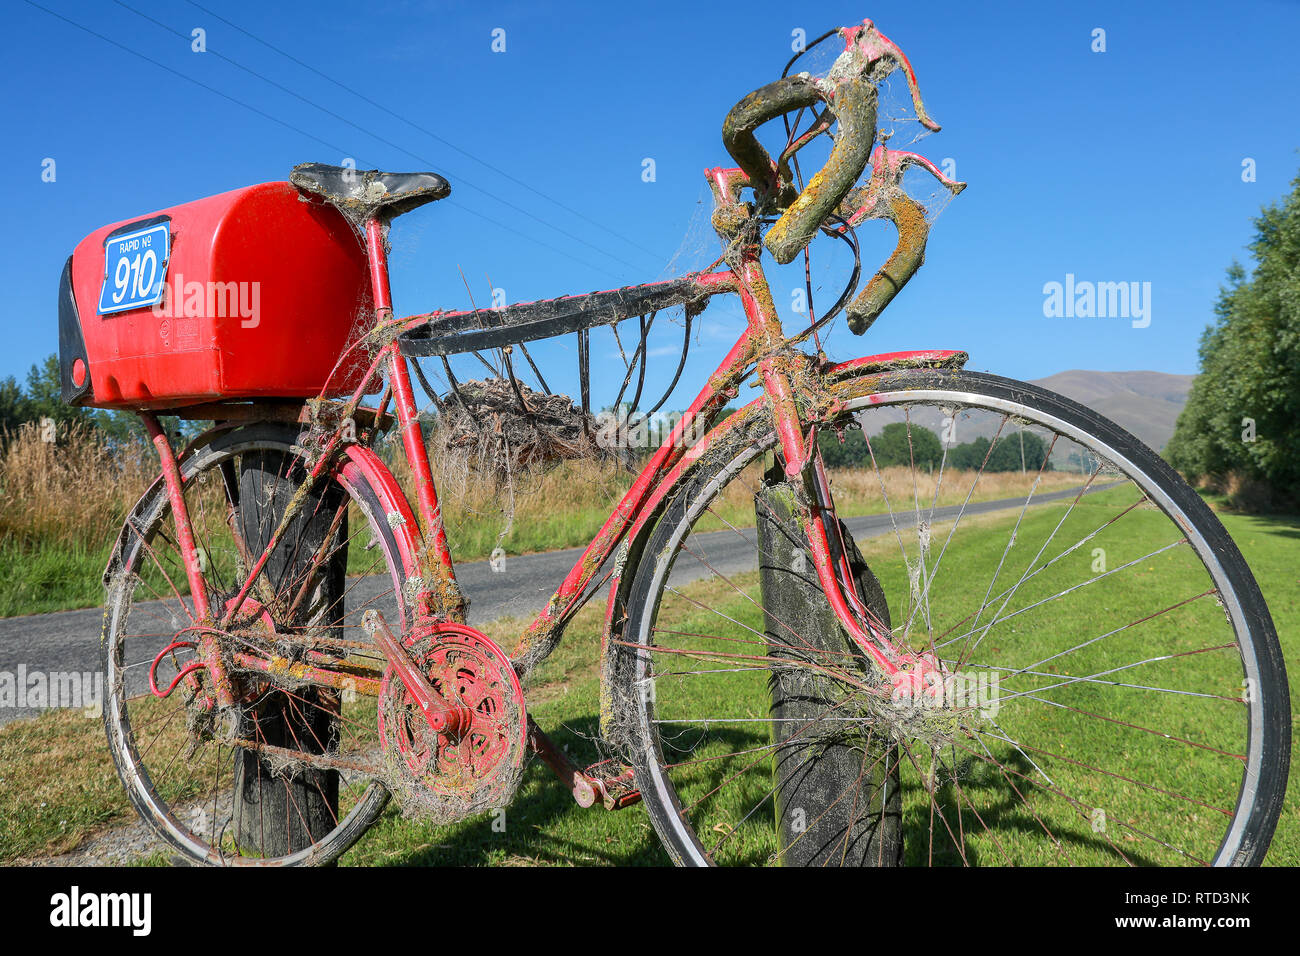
<point>438,775</point>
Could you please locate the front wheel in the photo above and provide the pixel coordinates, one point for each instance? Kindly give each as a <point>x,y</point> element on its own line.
<point>1109,687</point>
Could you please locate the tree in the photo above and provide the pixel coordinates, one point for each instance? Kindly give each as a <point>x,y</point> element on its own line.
<point>1242,414</point>
<point>1037,452</point>
<point>45,395</point>
<point>13,410</point>
<point>902,444</point>
<point>1006,454</point>
<point>970,455</point>
<point>43,398</point>
<point>850,452</point>
<point>897,444</point>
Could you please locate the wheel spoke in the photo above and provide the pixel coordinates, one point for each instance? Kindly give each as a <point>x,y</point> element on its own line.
<point>1039,729</point>
<point>287,745</point>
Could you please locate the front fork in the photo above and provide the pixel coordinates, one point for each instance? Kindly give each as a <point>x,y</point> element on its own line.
<point>903,670</point>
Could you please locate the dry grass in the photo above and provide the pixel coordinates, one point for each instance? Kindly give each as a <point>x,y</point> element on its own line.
<point>857,487</point>
<point>538,509</point>
<point>60,508</point>
<point>860,491</point>
<point>62,504</point>
<point>74,493</point>
<point>77,492</point>
<point>565,506</point>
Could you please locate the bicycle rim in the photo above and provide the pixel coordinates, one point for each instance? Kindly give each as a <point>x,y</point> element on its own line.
<point>1128,693</point>
<point>290,775</point>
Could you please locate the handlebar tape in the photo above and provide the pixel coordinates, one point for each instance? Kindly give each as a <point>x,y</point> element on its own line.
<point>854,104</point>
<point>909,217</point>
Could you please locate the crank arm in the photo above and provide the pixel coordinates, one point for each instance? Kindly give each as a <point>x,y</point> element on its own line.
<point>452,720</point>
<point>614,793</point>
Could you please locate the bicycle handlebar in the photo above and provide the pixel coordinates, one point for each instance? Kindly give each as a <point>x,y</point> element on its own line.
<point>854,106</point>
<point>766,103</point>
<point>849,92</point>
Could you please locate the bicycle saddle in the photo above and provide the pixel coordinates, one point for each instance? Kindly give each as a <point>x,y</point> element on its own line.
<point>363,193</point>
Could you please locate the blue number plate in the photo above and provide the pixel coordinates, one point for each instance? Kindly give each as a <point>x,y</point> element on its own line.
<point>135,266</point>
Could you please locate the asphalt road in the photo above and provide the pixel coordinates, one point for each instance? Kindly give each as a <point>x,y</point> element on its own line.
<point>68,641</point>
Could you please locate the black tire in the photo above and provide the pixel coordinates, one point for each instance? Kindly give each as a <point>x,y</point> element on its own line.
<point>255,448</point>
<point>1267,751</point>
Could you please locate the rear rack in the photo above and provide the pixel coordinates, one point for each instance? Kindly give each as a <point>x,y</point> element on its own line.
<point>450,333</point>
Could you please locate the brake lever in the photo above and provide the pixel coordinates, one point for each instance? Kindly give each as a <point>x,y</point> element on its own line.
<point>884,198</point>
<point>887,168</point>
<point>878,48</point>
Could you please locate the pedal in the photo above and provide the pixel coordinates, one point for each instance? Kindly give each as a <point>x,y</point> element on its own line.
<point>617,790</point>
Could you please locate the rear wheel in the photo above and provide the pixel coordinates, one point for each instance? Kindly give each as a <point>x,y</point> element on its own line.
<point>290,774</point>
<point>1110,688</point>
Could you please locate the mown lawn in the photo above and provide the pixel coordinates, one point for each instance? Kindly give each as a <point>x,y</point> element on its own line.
<point>57,785</point>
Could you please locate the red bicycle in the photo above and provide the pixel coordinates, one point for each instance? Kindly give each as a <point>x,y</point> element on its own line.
<point>813,653</point>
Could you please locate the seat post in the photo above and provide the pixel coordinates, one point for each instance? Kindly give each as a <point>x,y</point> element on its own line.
<point>445,587</point>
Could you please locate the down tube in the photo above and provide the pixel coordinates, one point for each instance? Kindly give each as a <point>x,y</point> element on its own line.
<point>544,632</point>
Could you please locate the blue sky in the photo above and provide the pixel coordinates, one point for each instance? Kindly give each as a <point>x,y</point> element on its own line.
<point>1122,166</point>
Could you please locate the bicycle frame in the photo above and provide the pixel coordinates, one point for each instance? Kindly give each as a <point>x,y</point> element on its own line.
<point>792,389</point>
<point>429,666</point>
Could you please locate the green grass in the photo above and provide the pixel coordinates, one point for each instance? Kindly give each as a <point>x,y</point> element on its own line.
<point>57,785</point>
<point>49,577</point>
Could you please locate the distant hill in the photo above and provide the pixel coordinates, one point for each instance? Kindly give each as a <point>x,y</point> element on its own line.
<point>1145,403</point>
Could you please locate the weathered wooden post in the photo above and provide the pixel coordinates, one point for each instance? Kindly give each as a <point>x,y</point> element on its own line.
<point>277,813</point>
<point>837,796</point>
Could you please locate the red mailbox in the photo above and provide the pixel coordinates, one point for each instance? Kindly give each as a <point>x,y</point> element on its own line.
<point>254,292</point>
